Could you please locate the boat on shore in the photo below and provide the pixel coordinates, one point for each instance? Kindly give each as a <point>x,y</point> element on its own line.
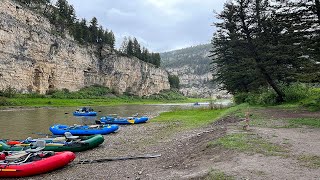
<point>60,129</point>
<point>71,143</point>
<point>32,161</point>
<point>124,120</point>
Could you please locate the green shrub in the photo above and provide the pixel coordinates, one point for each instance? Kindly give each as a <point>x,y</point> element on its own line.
<point>4,102</point>
<point>92,92</point>
<point>313,101</point>
<point>240,98</point>
<point>9,92</point>
<point>167,95</point>
<point>294,93</point>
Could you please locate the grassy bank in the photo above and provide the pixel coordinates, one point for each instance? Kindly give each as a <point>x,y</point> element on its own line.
<point>40,102</point>
<point>88,96</point>
<point>190,118</point>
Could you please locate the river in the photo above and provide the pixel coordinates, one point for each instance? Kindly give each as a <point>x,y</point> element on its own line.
<point>34,122</point>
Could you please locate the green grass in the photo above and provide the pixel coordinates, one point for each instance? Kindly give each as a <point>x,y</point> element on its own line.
<point>217,175</point>
<point>298,122</point>
<point>249,143</point>
<point>310,161</point>
<point>179,120</point>
<point>38,102</point>
<point>191,118</point>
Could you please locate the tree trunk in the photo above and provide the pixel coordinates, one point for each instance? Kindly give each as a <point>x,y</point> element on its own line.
<point>256,57</point>
<point>281,95</point>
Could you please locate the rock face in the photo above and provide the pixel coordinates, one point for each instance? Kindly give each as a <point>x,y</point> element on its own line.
<point>192,66</point>
<point>32,59</point>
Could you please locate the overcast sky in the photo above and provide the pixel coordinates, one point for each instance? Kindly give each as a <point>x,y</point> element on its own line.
<point>159,25</point>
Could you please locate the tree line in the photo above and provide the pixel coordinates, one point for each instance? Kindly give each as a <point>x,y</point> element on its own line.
<point>132,47</point>
<point>262,44</point>
<point>63,17</point>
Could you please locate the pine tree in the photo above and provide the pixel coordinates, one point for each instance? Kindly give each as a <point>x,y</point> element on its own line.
<point>111,39</point>
<point>136,48</point>
<point>232,66</point>
<point>301,33</point>
<point>93,29</point>
<point>130,48</point>
<point>145,55</point>
<point>124,45</point>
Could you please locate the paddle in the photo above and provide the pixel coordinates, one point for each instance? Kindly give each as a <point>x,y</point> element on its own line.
<point>9,170</point>
<point>146,156</point>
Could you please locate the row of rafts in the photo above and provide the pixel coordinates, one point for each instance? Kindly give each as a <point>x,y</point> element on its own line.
<point>31,157</point>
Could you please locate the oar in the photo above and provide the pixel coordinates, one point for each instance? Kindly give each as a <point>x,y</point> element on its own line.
<point>44,134</point>
<point>9,170</point>
<point>146,156</point>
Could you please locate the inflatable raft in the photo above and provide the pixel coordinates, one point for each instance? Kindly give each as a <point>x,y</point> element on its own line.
<point>71,143</point>
<point>24,163</point>
<point>60,129</point>
<point>128,120</point>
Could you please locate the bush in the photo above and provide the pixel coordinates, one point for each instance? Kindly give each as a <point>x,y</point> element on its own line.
<point>167,95</point>
<point>4,102</point>
<point>297,92</point>
<point>313,101</point>
<point>9,92</point>
<point>293,93</point>
<point>92,92</point>
<point>240,98</point>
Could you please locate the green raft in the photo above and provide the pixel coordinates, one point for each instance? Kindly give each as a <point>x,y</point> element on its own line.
<point>81,144</point>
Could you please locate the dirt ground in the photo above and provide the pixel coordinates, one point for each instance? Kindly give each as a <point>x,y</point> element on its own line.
<point>185,155</point>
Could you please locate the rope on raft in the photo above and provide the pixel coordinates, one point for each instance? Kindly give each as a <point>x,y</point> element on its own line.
<point>146,156</point>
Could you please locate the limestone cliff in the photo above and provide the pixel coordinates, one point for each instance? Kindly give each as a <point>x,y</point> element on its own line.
<point>32,59</point>
<point>192,66</point>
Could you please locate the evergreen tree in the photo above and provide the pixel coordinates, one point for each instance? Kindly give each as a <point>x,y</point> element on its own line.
<point>124,45</point>
<point>130,48</point>
<point>157,60</point>
<point>111,39</point>
<point>93,29</point>
<point>174,82</point>
<point>235,73</point>
<point>145,55</point>
<point>301,33</point>
<point>136,48</point>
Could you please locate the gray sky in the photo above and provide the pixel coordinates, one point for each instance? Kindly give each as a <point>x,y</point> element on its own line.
<point>159,25</point>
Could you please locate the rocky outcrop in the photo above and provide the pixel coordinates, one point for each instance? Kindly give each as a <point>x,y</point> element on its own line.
<point>32,59</point>
<point>192,66</point>
<point>193,84</point>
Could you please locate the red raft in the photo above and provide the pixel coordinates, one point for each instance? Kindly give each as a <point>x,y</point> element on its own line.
<point>29,164</point>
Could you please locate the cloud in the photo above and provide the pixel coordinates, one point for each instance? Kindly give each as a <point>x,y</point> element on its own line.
<point>160,25</point>
<point>117,12</point>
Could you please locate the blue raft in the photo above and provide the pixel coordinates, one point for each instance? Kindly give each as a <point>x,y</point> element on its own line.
<point>85,111</point>
<point>60,129</point>
<point>80,113</point>
<point>128,120</point>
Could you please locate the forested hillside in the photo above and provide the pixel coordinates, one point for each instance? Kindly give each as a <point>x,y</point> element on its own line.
<point>195,57</point>
<point>192,66</point>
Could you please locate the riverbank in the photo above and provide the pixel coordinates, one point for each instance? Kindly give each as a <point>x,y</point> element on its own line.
<point>54,102</point>
<point>280,143</point>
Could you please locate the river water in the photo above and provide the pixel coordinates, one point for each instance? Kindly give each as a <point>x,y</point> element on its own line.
<point>34,122</point>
